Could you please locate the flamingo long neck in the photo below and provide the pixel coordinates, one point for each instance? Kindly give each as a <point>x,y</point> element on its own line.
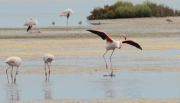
<point>120,42</point>
<point>121,38</point>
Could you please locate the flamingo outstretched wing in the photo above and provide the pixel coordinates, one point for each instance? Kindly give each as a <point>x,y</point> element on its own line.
<point>102,34</point>
<point>130,42</point>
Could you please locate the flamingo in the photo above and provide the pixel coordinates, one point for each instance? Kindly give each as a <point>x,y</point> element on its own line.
<point>113,44</point>
<point>13,61</point>
<point>30,22</point>
<point>48,58</point>
<point>67,13</point>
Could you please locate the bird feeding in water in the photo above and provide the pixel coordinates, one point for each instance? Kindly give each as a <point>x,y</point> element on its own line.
<point>67,13</point>
<point>13,61</point>
<point>30,22</point>
<point>113,44</point>
<point>48,58</point>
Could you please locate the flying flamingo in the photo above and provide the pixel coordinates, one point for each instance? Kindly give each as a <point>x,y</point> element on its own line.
<point>48,58</point>
<point>67,13</point>
<point>13,61</point>
<point>113,44</point>
<point>30,22</point>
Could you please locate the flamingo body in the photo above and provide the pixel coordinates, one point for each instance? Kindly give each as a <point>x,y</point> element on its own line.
<point>113,44</point>
<point>13,61</point>
<point>48,58</point>
<point>30,22</point>
<point>67,12</point>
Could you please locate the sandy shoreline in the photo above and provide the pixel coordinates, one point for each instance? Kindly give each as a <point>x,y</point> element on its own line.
<point>137,27</point>
<point>143,100</point>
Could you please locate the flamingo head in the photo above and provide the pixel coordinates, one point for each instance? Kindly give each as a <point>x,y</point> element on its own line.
<point>123,35</point>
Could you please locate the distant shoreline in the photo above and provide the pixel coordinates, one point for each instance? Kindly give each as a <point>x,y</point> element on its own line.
<point>132,26</point>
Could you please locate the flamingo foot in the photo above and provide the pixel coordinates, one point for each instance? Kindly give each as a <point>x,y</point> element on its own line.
<point>14,81</point>
<point>112,75</point>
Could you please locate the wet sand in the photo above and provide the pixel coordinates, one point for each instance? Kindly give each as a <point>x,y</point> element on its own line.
<point>111,101</point>
<point>79,52</point>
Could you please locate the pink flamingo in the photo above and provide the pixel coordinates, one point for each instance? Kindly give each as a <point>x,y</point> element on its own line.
<point>13,61</point>
<point>113,44</point>
<point>67,13</point>
<point>48,58</point>
<point>30,22</point>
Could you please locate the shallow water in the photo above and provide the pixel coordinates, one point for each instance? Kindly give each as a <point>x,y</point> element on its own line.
<point>166,59</point>
<point>126,84</point>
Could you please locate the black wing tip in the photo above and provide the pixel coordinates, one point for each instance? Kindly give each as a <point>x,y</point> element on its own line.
<point>139,47</point>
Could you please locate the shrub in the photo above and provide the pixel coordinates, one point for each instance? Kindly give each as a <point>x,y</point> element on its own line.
<point>122,9</point>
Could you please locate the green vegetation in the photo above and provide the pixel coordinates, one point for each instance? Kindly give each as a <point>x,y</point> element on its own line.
<point>124,9</point>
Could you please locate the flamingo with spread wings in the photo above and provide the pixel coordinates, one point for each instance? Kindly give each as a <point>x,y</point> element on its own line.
<point>113,44</point>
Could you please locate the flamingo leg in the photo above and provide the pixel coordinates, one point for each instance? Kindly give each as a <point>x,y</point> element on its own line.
<point>45,71</point>
<point>16,74</point>
<point>49,70</point>
<point>12,74</point>
<point>105,59</point>
<point>31,29</point>
<point>7,74</point>
<point>67,25</point>
<point>111,62</point>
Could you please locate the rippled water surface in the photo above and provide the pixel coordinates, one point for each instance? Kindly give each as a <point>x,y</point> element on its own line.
<point>126,84</point>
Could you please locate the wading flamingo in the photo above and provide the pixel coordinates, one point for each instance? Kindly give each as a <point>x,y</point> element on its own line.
<point>48,58</point>
<point>67,13</point>
<point>30,22</point>
<point>13,61</point>
<point>113,44</point>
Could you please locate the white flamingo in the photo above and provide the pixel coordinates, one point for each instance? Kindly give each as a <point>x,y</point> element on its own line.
<point>30,22</point>
<point>13,61</point>
<point>113,44</point>
<point>67,13</point>
<point>48,58</point>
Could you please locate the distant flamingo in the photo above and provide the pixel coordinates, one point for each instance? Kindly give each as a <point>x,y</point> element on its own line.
<point>48,58</point>
<point>13,61</point>
<point>67,13</point>
<point>30,22</point>
<point>113,44</point>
